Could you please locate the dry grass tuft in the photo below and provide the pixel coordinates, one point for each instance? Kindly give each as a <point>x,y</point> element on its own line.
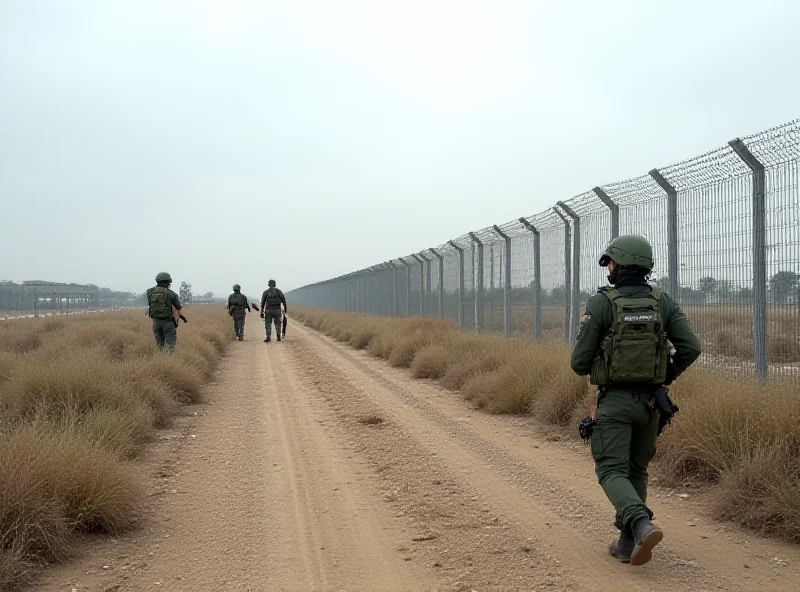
<point>79,398</point>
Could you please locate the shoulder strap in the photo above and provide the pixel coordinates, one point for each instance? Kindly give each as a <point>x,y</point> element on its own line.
<point>611,293</point>
<point>655,293</point>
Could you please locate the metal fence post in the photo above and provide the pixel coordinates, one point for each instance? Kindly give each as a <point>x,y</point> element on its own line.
<point>421,262</point>
<point>506,282</point>
<point>389,285</point>
<point>760,341</point>
<point>567,273</point>
<point>611,206</point>
<point>576,271</point>
<point>357,291</point>
<point>408,286</point>
<point>537,279</point>
<point>672,230</point>
<point>479,284</point>
<point>428,282</point>
<point>394,288</point>
<point>364,293</point>
<point>368,290</point>
<point>461,282</point>
<point>440,280</point>
<point>361,291</point>
<point>380,289</point>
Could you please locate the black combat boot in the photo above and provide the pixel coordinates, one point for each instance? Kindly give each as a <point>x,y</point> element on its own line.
<point>267,340</point>
<point>278,337</point>
<point>623,547</point>
<point>646,535</point>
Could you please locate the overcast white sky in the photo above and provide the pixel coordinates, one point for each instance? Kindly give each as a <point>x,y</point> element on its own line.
<point>234,141</point>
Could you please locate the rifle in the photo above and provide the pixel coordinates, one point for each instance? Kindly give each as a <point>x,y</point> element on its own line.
<point>176,314</point>
<point>283,325</point>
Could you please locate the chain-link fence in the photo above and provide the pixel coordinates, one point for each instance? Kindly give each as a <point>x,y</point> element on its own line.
<point>725,230</point>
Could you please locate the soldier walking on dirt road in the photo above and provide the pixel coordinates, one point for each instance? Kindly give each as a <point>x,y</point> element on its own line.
<point>271,301</point>
<point>238,307</point>
<point>160,302</point>
<point>623,346</point>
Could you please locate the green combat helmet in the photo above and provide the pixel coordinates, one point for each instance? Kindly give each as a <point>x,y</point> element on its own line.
<point>236,287</point>
<point>271,283</point>
<point>164,277</point>
<point>628,249</point>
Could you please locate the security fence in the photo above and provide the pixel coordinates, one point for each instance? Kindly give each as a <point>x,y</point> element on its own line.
<point>725,230</point>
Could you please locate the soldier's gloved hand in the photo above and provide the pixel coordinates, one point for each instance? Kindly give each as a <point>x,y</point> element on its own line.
<point>261,315</point>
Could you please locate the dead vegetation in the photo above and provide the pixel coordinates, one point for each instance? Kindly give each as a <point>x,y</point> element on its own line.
<point>79,398</point>
<point>738,436</point>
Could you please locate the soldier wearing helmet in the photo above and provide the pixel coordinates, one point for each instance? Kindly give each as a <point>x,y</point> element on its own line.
<point>271,301</point>
<point>161,301</point>
<point>623,345</point>
<point>238,306</point>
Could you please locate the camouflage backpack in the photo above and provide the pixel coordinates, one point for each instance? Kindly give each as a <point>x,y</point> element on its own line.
<point>273,299</point>
<point>159,301</point>
<point>238,300</point>
<point>635,351</point>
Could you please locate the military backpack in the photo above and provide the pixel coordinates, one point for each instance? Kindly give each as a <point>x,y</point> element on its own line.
<point>159,302</point>
<point>273,298</point>
<point>635,351</point>
<point>238,300</point>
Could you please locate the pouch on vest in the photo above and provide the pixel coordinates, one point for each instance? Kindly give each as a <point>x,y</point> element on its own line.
<point>160,305</point>
<point>273,300</point>
<point>238,300</point>
<point>635,350</point>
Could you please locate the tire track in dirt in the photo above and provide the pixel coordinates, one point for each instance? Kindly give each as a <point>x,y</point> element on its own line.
<point>543,494</point>
<point>346,544</point>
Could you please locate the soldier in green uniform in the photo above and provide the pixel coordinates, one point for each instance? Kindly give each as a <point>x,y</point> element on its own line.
<point>623,345</point>
<point>238,306</point>
<point>271,301</point>
<point>160,301</point>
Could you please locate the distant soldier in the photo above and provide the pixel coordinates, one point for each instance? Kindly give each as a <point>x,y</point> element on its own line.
<point>271,301</point>
<point>622,345</point>
<point>238,307</point>
<point>161,301</point>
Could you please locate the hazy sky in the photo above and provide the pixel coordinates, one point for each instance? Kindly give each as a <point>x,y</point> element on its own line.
<point>234,141</point>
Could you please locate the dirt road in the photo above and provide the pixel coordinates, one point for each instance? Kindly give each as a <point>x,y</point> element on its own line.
<point>315,467</point>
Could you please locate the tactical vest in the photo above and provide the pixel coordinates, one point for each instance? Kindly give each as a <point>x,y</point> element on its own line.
<point>635,350</point>
<point>160,303</point>
<point>273,299</point>
<point>238,300</point>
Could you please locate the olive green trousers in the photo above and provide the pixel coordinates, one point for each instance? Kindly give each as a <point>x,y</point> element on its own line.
<point>623,443</point>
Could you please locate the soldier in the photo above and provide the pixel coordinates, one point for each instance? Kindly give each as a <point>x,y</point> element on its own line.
<point>161,300</point>
<point>622,345</point>
<point>238,306</point>
<point>271,301</point>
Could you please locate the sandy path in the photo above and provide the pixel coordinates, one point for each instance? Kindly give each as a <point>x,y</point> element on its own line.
<point>316,467</point>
